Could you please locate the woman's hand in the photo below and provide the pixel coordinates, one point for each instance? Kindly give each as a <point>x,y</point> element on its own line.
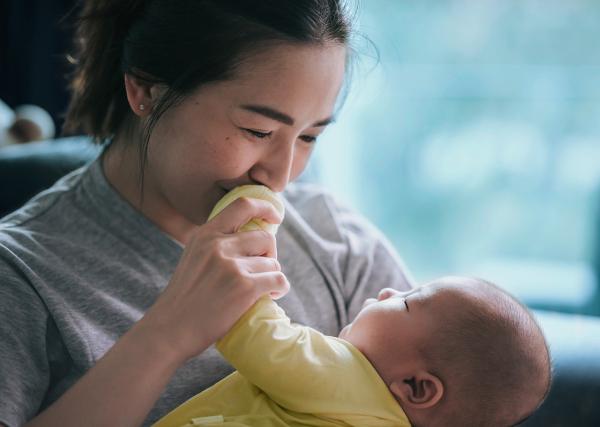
<point>219,276</point>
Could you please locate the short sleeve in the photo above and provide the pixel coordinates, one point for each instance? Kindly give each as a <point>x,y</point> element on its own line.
<point>372,263</point>
<point>23,363</point>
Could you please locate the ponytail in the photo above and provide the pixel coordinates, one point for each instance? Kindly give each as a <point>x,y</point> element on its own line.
<point>98,100</point>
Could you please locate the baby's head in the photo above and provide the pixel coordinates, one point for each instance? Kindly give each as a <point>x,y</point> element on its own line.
<point>457,351</point>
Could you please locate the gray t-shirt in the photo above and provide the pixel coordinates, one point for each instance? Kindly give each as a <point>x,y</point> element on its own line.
<point>79,266</point>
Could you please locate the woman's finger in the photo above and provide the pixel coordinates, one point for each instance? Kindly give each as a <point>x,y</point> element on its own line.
<point>243,210</point>
<point>250,243</point>
<point>260,264</point>
<point>273,283</point>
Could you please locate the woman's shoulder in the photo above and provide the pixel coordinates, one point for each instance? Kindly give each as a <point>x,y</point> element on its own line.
<point>302,194</point>
<point>343,242</point>
<point>40,227</point>
<point>43,203</point>
<point>325,212</point>
<point>312,207</point>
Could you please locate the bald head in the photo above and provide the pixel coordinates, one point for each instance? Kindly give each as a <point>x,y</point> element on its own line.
<point>489,351</point>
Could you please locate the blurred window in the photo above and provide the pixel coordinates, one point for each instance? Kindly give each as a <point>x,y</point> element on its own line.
<point>474,143</point>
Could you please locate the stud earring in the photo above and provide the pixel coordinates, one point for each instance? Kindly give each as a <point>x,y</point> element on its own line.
<point>142,107</point>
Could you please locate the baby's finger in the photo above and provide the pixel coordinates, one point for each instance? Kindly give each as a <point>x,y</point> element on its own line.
<point>273,283</point>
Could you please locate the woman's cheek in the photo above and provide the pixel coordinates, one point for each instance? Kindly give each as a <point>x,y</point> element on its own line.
<point>300,162</point>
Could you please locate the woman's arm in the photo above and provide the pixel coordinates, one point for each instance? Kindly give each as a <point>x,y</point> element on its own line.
<point>121,389</point>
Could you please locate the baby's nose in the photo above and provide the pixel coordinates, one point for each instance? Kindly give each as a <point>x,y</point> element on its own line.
<point>386,293</point>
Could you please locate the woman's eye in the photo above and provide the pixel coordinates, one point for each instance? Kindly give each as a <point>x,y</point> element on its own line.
<point>308,138</point>
<point>263,135</point>
<point>257,134</point>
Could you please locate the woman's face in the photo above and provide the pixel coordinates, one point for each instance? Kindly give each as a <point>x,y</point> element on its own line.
<point>257,128</point>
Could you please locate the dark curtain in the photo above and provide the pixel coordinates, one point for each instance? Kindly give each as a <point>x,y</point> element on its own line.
<point>33,46</point>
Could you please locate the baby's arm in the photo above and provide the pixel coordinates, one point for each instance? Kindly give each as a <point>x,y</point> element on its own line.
<point>297,366</point>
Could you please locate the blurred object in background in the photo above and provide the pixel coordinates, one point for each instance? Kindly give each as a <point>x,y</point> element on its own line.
<point>26,124</point>
<point>475,142</point>
<point>33,46</point>
<point>7,116</point>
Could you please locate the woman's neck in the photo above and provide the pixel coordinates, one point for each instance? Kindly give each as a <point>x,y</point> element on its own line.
<point>121,166</point>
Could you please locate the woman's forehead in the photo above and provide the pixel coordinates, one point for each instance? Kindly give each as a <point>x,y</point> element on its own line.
<point>303,87</point>
<point>300,81</point>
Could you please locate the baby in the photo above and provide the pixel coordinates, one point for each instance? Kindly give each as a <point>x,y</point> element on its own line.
<point>455,352</point>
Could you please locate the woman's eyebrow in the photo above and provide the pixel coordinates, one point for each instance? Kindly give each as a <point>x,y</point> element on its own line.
<point>281,117</point>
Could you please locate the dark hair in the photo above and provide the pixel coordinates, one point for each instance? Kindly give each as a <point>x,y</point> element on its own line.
<point>182,44</point>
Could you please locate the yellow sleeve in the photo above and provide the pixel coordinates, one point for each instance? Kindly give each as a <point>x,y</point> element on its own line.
<point>297,366</point>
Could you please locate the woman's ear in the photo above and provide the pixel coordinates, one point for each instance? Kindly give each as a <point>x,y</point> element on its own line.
<point>139,95</point>
<point>420,391</point>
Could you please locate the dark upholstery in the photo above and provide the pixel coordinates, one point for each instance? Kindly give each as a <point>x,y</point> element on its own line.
<point>575,340</point>
<point>574,399</point>
<point>27,169</point>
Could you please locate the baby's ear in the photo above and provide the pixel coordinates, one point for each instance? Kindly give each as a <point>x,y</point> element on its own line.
<point>420,391</point>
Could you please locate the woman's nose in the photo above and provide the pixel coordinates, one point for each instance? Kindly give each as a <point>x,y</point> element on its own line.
<point>275,167</point>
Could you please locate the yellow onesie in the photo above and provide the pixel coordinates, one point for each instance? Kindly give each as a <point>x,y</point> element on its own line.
<point>289,375</point>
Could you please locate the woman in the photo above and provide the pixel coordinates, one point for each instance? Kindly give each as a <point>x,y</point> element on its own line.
<point>113,285</point>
